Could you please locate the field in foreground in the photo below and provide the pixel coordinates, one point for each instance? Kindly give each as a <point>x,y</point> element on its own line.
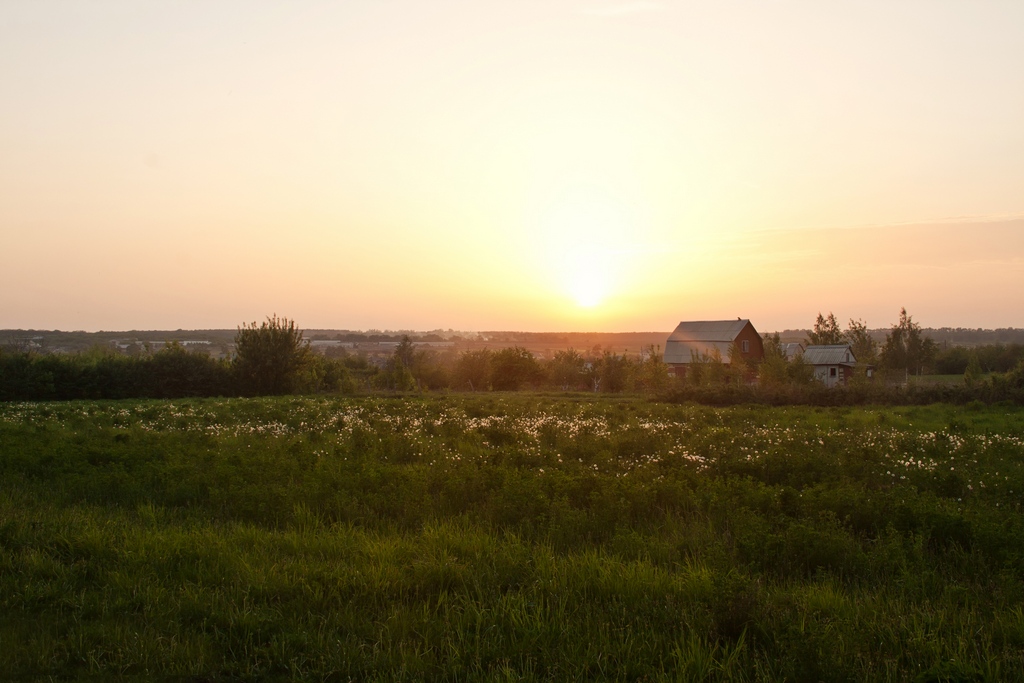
<point>516,537</point>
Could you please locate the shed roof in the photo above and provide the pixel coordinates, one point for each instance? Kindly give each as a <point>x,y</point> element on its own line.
<point>830,354</point>
<point>696,338</point>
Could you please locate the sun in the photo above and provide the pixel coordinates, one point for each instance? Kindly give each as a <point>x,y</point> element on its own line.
<point>587,279</point>
<point>585,233</point>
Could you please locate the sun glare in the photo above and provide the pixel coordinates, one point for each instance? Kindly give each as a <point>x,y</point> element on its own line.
<point>586,277</point>
<point>587,289</point>
<point>587,233</point>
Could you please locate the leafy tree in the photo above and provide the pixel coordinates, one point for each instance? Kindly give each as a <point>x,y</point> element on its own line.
<point>650,374</point>
<point>865,349</point>
<point>799,371</point>
<point>567,369</point>
<point>513,367</point>
<point>999,357</point>
<point>906,348</point>
<point>826,331</point>
<point>1015,377</point>
<point>269,358</point>
<point>473,370</point>
<point>613,371</point>
<point>395,376</point>
<point>705,368</point>
<point>740,368</point>
<point>434,370</point>
<point>773,346</point>
<point>954,360</point>
<point>773,367</point>
<point>174,372</point>
<point>973,371</point>
<point>405,351</point>
<point>325,374</point>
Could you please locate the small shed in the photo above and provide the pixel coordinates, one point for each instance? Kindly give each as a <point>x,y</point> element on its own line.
<point>697,339</point>
<point>834,364</point>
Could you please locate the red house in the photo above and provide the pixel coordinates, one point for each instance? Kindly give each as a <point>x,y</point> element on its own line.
<point>699,340</point>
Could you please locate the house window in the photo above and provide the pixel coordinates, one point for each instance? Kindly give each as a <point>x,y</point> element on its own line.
<point>831,372</point>
<point>746,346</point>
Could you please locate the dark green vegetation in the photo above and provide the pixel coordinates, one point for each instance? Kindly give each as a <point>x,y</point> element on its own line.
<point>273,359</point>
<point>510,537</point>
<point>269,358</point>
<point>175,372</point>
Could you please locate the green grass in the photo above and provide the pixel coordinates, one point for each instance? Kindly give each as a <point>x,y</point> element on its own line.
<point>536,537</point>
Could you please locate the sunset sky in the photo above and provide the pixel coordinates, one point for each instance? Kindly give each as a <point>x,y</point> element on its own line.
<point>528,165</point>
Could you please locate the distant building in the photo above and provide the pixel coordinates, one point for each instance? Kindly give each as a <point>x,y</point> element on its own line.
<point>700,339</point>
<point>792,350</point>
<point>834,364</point>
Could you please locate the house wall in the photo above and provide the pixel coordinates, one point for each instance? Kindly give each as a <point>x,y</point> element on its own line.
<point>823,374</point>
<point>748,333</point>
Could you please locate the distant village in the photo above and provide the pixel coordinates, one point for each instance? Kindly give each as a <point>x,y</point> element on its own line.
<point>730,341</point>
<point>689,343</point>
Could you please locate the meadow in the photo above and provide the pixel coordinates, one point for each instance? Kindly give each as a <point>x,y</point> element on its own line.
<point>510,537</point>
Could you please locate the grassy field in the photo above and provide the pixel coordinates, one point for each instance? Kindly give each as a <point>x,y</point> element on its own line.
<point>517,537</point>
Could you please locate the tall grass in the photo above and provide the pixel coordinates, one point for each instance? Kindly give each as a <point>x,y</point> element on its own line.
<point>517,537</point>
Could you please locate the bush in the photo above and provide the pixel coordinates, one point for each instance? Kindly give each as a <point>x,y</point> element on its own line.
<point>270,358</point>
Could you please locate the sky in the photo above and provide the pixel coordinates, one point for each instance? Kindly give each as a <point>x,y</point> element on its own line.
<point>539,165</point>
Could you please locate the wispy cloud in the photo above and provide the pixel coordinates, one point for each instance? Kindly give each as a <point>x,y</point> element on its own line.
<point>625,8</point>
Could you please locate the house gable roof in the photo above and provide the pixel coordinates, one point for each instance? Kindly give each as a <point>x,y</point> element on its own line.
<point>829,354</point>
<point>698,338</point>
<point>708,330</point>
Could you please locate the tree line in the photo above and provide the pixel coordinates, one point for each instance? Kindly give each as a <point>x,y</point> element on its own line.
<point>273,358</point>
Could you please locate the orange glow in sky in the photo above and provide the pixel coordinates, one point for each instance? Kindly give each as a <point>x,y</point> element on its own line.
<point>550,165</point>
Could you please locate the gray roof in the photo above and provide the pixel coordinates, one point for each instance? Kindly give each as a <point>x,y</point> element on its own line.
<point>792,349</point>
<point>830,354</point>
<point>702,337</point>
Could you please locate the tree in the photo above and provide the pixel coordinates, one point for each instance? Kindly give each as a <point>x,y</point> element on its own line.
<point>906,348</point>
<point>705,368</point>
<point>405,351</point>
<point>567,369</point>
<point>740,369</point>
<point>613,371</point>
<point>650,373</point>
<point>865,349</point>
<point>433,370</point>
<point>173,372</point>
<point>772,369</point>
<point>799,371</point>
<point>826,331</point>
<point>513,367</point>
<point>973,371</point>
<point>395,376</point>
<point>473,370</point>
<point>322,373</point>
<point>269,358</point>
